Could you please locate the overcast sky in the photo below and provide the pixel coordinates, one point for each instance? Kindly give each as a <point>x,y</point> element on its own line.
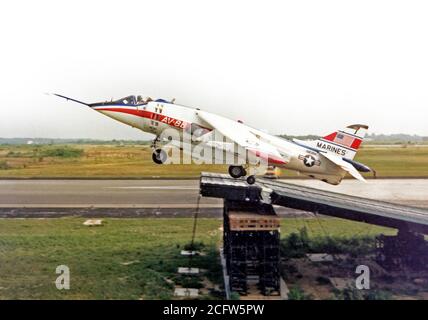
<point>294,67</point>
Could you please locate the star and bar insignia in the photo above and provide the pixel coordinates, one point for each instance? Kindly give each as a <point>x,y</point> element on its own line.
<point>309,160</point>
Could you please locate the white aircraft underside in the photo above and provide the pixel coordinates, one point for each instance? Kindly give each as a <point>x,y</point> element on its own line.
<point>328,159</point>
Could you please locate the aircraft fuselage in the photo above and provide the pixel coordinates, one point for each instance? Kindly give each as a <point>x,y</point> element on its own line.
<point>156,116</point>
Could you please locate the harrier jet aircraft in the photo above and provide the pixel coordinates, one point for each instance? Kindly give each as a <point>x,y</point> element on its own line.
<point>328,159</point>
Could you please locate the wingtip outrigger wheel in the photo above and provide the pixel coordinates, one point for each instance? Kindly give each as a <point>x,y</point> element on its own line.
<point>251,179</point>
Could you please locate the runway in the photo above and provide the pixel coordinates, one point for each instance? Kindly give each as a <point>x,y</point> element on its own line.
<point>412,192</point>
<point>177,193</point>
<point>165,197</point>
<point>102,194</point>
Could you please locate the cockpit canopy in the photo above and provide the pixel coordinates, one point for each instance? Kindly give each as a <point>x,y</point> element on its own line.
<point>127,100</point>
<point>134,100</point>
<point>131,100</point>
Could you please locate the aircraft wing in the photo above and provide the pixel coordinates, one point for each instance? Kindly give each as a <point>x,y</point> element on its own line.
<point>344,165</point>
<point>244,137</point>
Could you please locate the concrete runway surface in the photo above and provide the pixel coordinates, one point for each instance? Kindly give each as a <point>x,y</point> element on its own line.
<point>412,192</point>
<point>177,193</point>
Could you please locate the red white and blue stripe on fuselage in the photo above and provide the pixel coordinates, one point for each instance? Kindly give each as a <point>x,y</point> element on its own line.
<point>172,122</point>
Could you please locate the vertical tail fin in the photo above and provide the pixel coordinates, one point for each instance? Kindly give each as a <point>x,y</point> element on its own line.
<point>344,143</point>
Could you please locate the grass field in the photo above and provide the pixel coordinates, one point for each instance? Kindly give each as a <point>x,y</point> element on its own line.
<point>398,161</point>
<point>134,161</point>
<point>124,258</point>
<point>94,161</point>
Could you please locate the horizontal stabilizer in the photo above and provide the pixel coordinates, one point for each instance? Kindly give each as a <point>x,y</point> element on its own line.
<point>344,165</point>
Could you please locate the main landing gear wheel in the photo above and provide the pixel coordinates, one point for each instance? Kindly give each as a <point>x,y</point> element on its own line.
<point>237,171</point>
<point>251,179</point>
<point>159,156</point>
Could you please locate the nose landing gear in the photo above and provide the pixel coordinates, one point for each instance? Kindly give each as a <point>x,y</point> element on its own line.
<point>239,171</point>
<point>159,156</point>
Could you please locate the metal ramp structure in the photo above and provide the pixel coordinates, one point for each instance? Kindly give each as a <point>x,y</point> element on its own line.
<point>315,200</point>
<point>260,198</point>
